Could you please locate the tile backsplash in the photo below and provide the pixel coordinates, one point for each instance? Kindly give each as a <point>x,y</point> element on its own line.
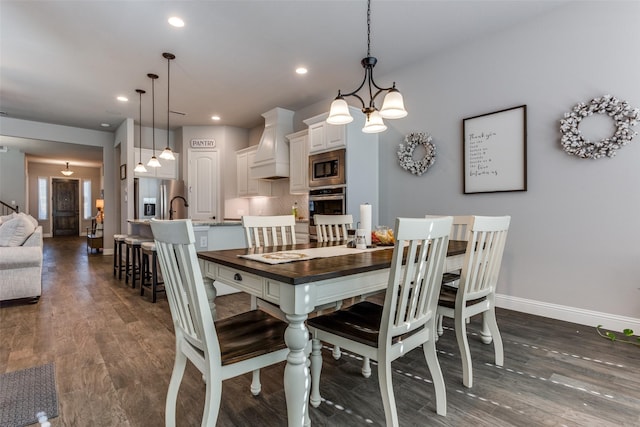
<point>281,203</point>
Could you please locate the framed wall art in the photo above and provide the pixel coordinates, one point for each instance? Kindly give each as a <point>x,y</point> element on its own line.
<point>495,151</point>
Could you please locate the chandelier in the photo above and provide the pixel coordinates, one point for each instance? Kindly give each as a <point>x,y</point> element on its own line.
<point>67,171</point>
<point>167,154</point>
<point>140,167</point>
<point>392,106</point>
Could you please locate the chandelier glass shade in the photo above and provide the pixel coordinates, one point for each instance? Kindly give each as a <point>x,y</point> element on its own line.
<point>392,105</point>
<point>153,162</point>
<point>140,167</point>
<point>167,154</point>
<point>67,171</point>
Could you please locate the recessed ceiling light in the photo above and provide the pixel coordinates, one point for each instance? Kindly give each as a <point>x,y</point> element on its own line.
<point>105,125</point>
<point>301,70</point>
<point>176,22</point>
<point>216,118</point>
<point>122,98</point>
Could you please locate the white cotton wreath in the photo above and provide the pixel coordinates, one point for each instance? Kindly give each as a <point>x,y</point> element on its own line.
<point>620,111</point>
<point>405,153</point>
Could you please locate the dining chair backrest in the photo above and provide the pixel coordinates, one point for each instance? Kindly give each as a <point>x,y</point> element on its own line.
<point>192,318</point>
<point>483,256</point>
<point>269,230</point>
<point>412,293</point>
<point>331,228</point>
<point>461,227</point>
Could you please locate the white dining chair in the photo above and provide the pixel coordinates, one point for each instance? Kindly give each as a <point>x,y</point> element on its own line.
<point>460,230</point>
<point>273,230</point>
<point>332,228</point>
<point>475,293</point>
<point>264,231</point>
<point>220,350</point>
<point>404,322</point>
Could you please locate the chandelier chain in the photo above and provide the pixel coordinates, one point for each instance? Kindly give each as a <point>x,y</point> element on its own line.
<point>368,27</point>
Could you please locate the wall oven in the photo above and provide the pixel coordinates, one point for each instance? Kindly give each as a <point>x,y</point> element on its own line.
<point>327,169</point>
<point>326,201</point>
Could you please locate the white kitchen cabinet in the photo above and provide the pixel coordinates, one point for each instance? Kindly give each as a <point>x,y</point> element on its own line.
<point>247,186</point>
<point>168,168</point>
<point>361,159</point>
<point>299,163</point>
<point>326,137</point>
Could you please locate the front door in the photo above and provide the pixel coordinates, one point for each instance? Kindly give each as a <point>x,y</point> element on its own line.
<point>66,210</point>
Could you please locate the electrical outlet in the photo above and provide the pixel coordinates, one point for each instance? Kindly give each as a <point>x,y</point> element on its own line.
<point>203,242</point>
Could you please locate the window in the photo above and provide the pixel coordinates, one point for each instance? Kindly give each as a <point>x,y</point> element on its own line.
<point>86,197</point>
<point>43,197</point>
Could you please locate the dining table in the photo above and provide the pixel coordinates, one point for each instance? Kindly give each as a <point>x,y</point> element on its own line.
<point>297,279</point>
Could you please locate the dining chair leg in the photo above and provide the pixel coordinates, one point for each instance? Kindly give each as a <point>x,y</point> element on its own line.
<point>489,317</point>
<point>213,396</point>
<point>174,385</point>
<point>316,368</point>
<point>366,367</point>
<point>386,391</point>
<point>463,347</point>
<point>255,382</point>
<point>336,353</point>
<point>431,357</point>
<point>485,333</point>
<point>440,328</point>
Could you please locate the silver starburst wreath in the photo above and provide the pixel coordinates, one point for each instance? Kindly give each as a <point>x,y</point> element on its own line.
<point>573,142</point>
<point>405,153</point>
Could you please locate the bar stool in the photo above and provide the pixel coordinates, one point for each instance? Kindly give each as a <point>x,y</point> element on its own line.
<point>118,244</point>
<point>150,271</point>
<point>133,257</point>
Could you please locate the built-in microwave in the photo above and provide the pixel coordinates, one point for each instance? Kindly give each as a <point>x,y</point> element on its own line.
<point>327,169</point>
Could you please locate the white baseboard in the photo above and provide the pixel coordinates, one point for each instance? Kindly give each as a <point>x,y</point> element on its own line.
<point>568,314</point>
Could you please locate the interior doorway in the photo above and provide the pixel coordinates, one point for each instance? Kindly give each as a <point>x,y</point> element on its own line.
<point>65,206</point>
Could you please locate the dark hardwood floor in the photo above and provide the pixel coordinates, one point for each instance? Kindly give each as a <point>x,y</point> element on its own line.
<point>113,352</point>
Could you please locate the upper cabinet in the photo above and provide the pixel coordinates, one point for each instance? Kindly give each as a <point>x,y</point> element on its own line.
<point>168,168</point>
<point>247,186</point>
<point>323,136</point>
<point>299,166</point>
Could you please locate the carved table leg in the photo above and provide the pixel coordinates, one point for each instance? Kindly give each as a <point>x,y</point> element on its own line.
<point>209,286</point>
<point>296,372</point>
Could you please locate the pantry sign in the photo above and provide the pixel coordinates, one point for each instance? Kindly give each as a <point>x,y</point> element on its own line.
<point>203,143</point>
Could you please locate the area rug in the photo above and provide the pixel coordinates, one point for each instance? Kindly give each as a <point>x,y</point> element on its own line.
<point>25,393</point>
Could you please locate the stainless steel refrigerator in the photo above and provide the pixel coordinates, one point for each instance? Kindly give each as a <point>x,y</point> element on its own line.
<point>153,198</point>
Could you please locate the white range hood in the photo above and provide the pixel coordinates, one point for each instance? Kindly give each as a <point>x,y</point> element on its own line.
<point>272,155</point>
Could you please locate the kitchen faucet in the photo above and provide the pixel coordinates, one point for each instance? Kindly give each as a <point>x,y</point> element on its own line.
<point>171,211</point>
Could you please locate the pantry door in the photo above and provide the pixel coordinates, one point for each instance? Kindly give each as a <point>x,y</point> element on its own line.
<point>204,181</point>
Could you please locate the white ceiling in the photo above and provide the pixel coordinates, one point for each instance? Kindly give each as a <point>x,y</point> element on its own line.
<point>64,62</point>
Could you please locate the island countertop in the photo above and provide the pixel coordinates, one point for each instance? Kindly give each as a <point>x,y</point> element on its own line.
<point>195,222</point>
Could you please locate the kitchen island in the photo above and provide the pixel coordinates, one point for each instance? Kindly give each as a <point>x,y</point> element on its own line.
<point>210,236</point>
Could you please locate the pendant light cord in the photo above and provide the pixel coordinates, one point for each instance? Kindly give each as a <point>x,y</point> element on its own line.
<point>168,88</point>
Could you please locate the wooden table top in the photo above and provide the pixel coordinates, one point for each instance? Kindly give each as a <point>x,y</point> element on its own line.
<point>313,270</point>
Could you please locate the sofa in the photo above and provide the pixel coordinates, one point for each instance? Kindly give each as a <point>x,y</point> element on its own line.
<point>20,257</point>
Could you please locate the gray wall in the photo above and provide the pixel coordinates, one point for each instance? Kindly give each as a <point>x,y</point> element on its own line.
<point>572,250</point>
<point>12,166</point>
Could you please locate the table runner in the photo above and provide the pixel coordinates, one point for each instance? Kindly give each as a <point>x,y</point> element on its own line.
<point>282,257</point>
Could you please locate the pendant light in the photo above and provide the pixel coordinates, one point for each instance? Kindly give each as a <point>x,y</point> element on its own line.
<point>153,162</point>
<point>140,167</point>
<point>67,171</point>
<point>167,153</point>
<point>392,106</point>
